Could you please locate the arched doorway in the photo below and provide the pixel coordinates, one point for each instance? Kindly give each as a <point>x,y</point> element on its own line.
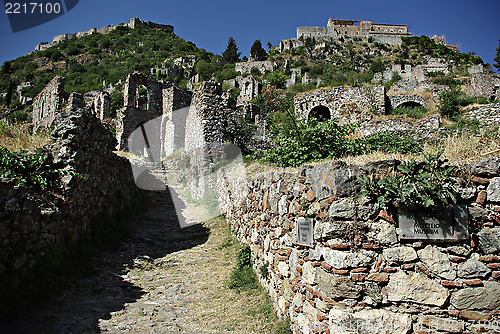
<point>321,113</point>
<point>410,105</point>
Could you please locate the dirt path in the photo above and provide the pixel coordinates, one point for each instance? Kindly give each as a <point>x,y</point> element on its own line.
<point>162,279</point>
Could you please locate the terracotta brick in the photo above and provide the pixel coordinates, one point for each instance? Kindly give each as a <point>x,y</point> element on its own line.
<point>315,264</point>
<point>378,277</point>
<point>298,309</point>
<point>451,284</point>
<point>408,266</point>
<point>481,197</point>
<point>453,313</point>
<point>359,270</point>
<point>495,274</point>
<point>299,270</point>
<point>424,269</point>
<point>384,215</point>
<point>371,247</point>
<point>321,215</point>
<point>378,264</point>
<point>493,265</point>
<point>310,196</point>
<point>479,180</point>
<point>331,199</point>
<point>489,258</point>
<point>473,282</point>
<point>287,304</point>
<point>326,266</point>
<point>456,259</point>
<point>389,270</point>
<point>358,277</point>
<point>339,247</point>
<point>496,208</point>
<point>321,317</point>
<point>340,271</point>
<point>313,303</point>
<point>383,291</point>
<point>301,262</point>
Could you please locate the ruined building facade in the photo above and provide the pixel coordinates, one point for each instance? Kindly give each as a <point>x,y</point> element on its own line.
<point>53,100</point>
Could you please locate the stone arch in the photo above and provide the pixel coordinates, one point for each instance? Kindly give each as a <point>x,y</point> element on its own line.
<point>320,112</point>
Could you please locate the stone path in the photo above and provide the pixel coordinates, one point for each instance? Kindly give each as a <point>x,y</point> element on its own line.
<point>162,279</point>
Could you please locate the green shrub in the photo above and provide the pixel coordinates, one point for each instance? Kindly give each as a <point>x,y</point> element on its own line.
<point>18,116</point>
<point>27,168</point>
<point>448,103</point>
<point>421,184</point>
<point>243,276</point>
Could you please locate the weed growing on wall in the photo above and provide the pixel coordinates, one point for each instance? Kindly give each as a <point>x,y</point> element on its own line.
<point>424,184</point>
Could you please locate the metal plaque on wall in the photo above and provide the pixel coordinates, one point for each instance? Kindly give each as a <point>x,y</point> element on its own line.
<point>448,223</point>
<point>305,231</point>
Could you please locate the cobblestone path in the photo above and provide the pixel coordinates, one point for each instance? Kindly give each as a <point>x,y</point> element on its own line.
<point>161,279</point>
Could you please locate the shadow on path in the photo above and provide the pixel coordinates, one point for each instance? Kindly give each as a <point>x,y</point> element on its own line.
<point>84,300</point>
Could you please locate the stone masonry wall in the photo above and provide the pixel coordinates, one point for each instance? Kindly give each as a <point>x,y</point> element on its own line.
<point>49,102</point>
<point>359,276</point>
<point>342,102</point>
<point>488,115</point>
<point>35,223</point>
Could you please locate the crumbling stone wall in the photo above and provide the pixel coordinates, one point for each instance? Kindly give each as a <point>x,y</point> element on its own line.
<point>349,104</point>
<point>483,84</point>
<point>359,275</point>
<point>487,115</point>
<point>159,99</point>
<point>101,105</point>
<point>35,224</point>
<point>262,66</point>
<point>249,88</point>
<point>398,101</point>
<point>49,102</point>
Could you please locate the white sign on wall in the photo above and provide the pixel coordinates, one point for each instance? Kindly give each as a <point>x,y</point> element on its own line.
<point>305,231</point>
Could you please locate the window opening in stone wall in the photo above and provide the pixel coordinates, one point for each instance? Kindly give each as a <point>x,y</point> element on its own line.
<point>142,97</point>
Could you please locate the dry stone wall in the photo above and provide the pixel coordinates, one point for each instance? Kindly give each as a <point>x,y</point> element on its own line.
<point>358,275</point>
<point>349,104</point>
<point>488,115</point>
<point>36,225</point>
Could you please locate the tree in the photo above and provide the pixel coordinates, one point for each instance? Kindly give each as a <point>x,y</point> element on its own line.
<point>231,54</point>
<point>497,57</point>
<point>448,103</point>
<point>257,52</point>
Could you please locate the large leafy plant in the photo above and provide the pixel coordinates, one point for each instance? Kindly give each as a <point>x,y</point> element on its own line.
<point>27,168</point>
<point>423,184</point>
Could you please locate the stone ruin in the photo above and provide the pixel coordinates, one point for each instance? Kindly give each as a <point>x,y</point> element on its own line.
<point>349,104</point>
<point>249,88</point>
<point>53,100</point>
<point>134,22</point>
<point>160,100</point>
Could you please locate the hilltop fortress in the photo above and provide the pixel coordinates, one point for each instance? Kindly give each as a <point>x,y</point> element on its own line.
<point>337,29</point>
<point>134,22</point>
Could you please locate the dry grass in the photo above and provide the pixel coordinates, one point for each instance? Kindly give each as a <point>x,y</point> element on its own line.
<point>19,137</point>
<point>222,310</point>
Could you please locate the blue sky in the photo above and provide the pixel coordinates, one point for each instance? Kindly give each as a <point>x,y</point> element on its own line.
<point>473,25</point>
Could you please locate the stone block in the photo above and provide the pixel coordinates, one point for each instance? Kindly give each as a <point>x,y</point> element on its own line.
<point>437,262</point>
<point>493,190</point>
<point>417,288</point>
<point>486,297</point>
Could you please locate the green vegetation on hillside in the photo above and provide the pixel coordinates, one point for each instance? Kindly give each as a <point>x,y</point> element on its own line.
<point>88,61</point>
